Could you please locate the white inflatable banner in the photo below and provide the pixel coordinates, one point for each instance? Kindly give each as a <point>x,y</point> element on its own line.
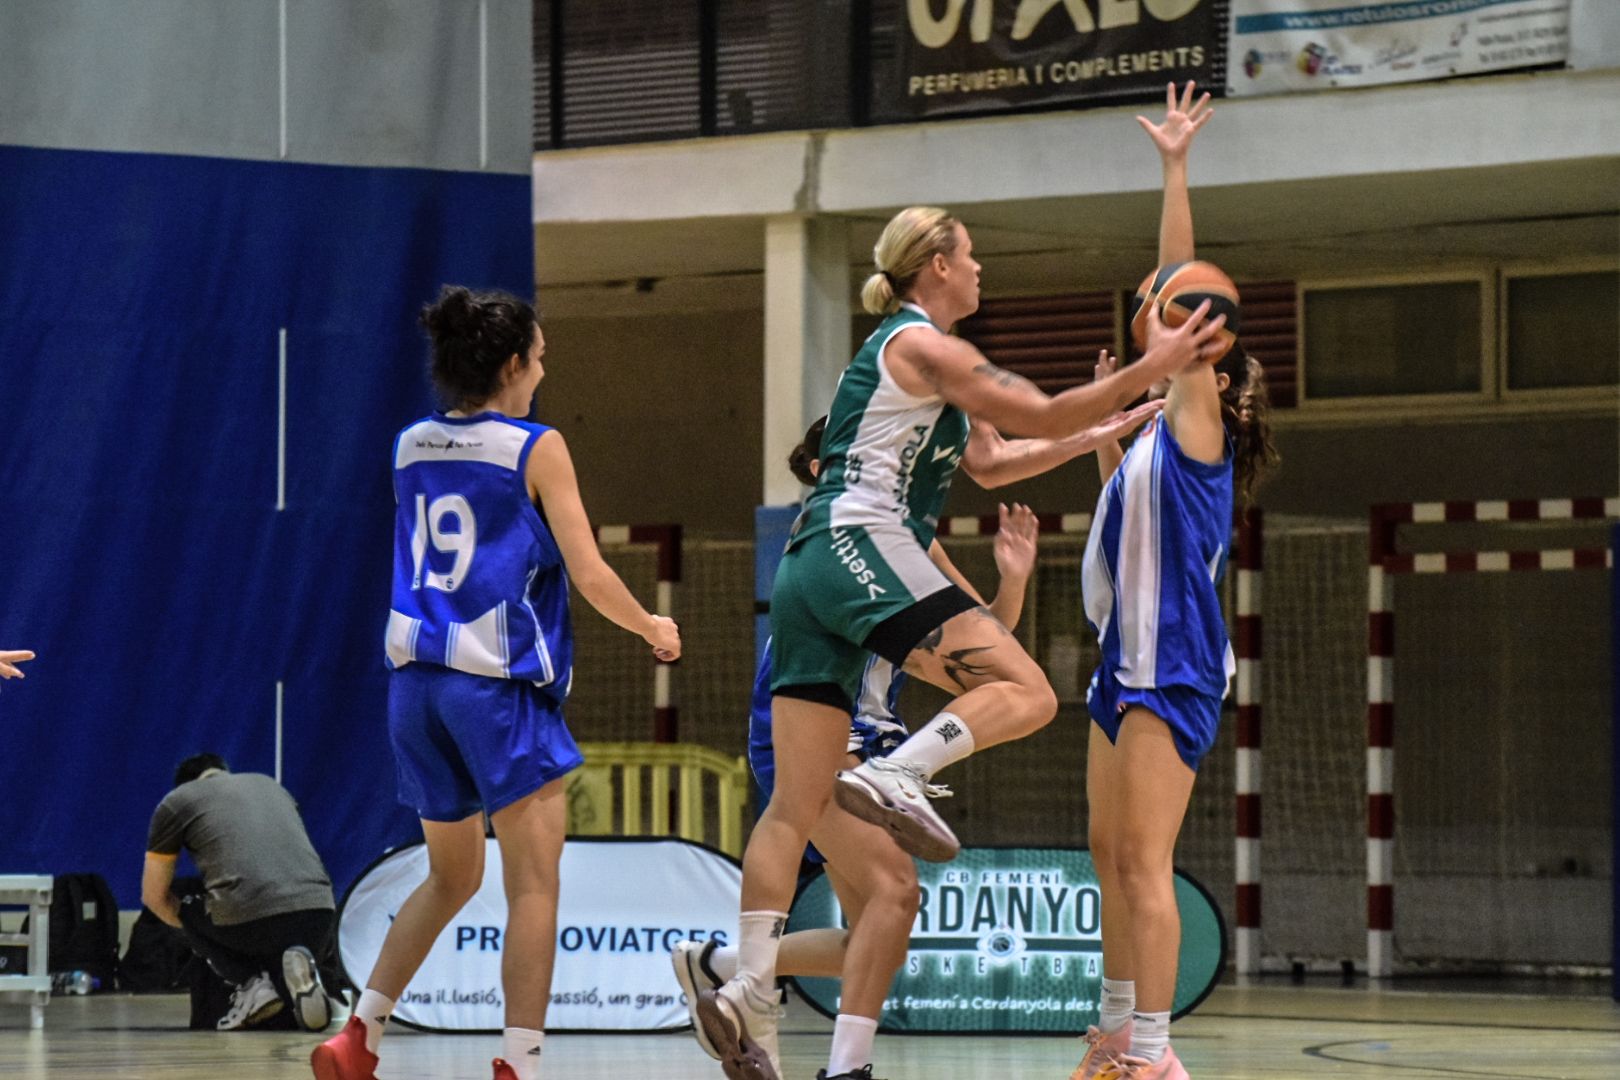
<point>625,903</point>
<point>1285,46</point>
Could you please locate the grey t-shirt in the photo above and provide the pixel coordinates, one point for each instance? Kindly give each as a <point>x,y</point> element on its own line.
<point>244,832</point>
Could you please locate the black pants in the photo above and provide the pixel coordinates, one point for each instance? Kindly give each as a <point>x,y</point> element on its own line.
<point>241,951</point>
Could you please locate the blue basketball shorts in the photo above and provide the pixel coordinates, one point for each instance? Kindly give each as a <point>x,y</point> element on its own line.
<point>1192,716</point>
<point>464,743</point>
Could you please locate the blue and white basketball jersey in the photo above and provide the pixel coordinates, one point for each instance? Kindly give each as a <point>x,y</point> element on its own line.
<point>874,729</point>
<point>1158,545</point>
<point>479,582</point>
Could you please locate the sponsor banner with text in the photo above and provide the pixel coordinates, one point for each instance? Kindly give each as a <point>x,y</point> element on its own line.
<point>1286,46</point>
<point>963,57</point>
<point>1010,940</point>
<point>625,903</point>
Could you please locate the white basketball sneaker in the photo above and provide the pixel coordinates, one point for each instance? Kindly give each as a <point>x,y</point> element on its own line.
<point>254,1001</point>
<point>741,1025</point>
<point>895,795</point>
<point>691,961</point>
<point>303,979</point>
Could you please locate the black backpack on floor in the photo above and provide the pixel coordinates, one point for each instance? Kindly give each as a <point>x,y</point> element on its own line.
<point>84,927</point>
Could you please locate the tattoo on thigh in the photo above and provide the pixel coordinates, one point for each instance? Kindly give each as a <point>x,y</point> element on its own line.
<point>960,665</point>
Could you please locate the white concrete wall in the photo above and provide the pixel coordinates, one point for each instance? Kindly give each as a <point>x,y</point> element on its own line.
<point>443,85</point>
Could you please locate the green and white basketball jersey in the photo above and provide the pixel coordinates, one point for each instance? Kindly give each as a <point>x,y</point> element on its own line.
<point>887,456</point>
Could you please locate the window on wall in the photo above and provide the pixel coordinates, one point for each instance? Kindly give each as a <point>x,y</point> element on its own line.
<point>1562,330</point>
<point>1411,339</point>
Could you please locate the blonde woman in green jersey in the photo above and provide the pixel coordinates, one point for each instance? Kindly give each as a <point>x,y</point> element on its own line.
<point>856,579</point>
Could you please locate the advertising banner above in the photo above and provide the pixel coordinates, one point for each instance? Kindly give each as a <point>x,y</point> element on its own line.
<point>625,903</point>
<point>1010,940</point>
<point>963,57</point>
<point>1285,46</point>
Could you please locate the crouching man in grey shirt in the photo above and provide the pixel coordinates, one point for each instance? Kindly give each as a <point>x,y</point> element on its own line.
<point>268,911</point>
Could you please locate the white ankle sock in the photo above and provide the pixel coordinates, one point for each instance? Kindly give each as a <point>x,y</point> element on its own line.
<point>942,741</point>
<point>852,1044</point>
<point>521,1049</point>
<point>1150,1035</point>
<point>758,938</point>
<point>373,1010</point>
<point>724,961</point>
<point>1118,1002</point>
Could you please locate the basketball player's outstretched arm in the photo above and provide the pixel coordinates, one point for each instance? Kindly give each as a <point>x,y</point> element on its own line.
<point>1193,407</point>
<point>1109,454</point>
<point>551,477</point>
<point>1173,135</point>
<point>1014,548</point>
<point>993,461</point>
<point>960,374</point>
<point>9,659</point>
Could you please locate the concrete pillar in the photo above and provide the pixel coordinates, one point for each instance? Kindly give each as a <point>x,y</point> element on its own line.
<point>807,327</point>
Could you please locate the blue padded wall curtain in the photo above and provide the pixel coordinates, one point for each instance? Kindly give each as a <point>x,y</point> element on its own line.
<point>184,526</point>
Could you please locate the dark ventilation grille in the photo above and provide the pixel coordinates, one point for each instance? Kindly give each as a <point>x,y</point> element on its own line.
<point>542,74</point>
<point>630,71</point>
<point>1051,340</point>
<point>781,64</point>
<point>1271,335</point>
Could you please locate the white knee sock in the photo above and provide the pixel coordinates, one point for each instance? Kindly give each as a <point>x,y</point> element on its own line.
<point>1150,1035</point>
<point>758,938</point>
<point>373,1011</point>
<point>942,741</point>
<point>521,1049</point>
<point>724,961</point>
<point>1118,1002</point>
<point>852,1044</point>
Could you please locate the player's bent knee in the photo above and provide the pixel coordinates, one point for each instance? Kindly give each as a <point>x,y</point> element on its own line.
<point>1038,703</point>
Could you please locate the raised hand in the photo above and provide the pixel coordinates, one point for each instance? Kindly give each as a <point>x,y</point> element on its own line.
<point>1182,119</point>
<point>1170,350</point>
<point>1014,546</point>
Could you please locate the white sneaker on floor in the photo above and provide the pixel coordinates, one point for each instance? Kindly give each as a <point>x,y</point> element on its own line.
<point>895,795</point>
<point>311,1008</point>
<point>691,961</point>
<point>741,1025</point>
<point>253,1002</point>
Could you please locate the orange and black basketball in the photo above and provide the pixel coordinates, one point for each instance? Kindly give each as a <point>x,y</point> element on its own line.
<point>1178,289</point>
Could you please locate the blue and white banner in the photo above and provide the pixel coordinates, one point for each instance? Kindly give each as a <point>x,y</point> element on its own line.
<point>1286,46</point>
<point>625,903</point>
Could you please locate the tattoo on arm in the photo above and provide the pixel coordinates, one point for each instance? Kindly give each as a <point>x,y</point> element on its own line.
<point>1002,376</point>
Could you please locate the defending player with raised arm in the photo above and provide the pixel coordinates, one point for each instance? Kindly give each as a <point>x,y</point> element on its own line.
<point>857,579</point>
<point>1157,548</point>
<point>488,533</point>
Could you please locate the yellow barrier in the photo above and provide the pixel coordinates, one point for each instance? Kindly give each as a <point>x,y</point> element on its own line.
<point>613,776</point>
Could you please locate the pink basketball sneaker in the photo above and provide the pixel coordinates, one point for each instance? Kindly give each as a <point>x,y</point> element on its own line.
<point>1100,1049</point>
<point>1135,1068</point>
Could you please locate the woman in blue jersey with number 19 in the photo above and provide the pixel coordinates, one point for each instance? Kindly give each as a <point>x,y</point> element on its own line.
<point>489,531</point>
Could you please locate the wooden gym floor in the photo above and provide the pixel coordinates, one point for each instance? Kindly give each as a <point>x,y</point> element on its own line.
<point>1271,1031</point>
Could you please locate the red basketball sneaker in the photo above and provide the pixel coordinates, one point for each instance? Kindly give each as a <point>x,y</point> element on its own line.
<point>504,1071</point>
<point>344,1056</point>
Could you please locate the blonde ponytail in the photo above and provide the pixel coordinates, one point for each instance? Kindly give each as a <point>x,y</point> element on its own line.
<point>909,242</point>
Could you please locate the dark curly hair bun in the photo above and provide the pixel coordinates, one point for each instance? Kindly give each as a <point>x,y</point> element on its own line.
<point>474,335</point>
